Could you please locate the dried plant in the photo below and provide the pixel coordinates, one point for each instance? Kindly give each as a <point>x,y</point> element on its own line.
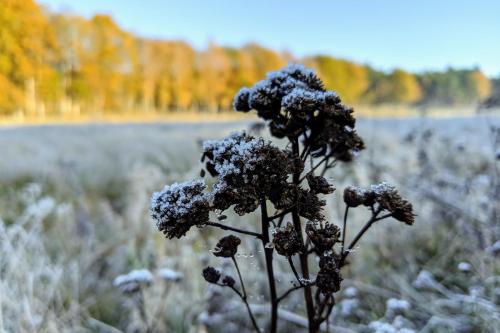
<point>251,173</point>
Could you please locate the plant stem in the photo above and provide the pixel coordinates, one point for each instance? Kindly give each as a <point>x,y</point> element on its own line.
<point>290,261</point>
<point>268,252</point>
<point>313,168</point>
<point>244,296</point>
<point>344,228</point>
<point>286,293</point>
<point>303,256</point>
<point>241,231</point>
<point>279,215</point>
<point>360,234</point>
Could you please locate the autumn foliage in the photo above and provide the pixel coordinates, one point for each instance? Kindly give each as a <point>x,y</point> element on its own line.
<point>60,63</point>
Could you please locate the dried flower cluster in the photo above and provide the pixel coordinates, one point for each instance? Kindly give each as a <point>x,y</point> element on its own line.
<point>295,102</point>
<point>251,173</point>
<point>287,241</point>
<point>178,207</point>
<point>383,194</point>
<point>247,170</point>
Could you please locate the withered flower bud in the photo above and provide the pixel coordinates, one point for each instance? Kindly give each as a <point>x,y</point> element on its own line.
<point>323,238</point>
<point>211,275</point>
<point>329,278</point>
<point>228,281</point>
<point>227,246</point>
<point>310,206</point>
<point>319,184</point>
<point>286,241</point>
<point>354,196</point>
<point>389,199</point>
<point>240,102</point>
<point>404,212</point>
<point>386,196</point>
<point>328,281</point>
<point>328,262</point>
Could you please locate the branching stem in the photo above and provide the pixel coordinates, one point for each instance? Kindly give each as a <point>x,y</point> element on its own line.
<point>361,233</point>
<point>241,231</point>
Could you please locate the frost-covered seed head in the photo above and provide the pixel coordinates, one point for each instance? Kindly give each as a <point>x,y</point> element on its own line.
<point>180,206</point>
<point>286,241</point>
<point>240,102</point>
<point>354,196</point>
<point>247,170</point>
<point>385,195</point>
<point>133,280</point>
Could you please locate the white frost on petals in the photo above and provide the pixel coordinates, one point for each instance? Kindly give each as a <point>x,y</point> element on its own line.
<point>164,207</point>
<point>383,188</point>
<point>238,153</point>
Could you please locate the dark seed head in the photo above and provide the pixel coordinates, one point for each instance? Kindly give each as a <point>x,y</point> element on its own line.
<point>211,275</point>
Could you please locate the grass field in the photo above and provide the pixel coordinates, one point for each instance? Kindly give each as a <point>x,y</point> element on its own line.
<point>74,215</point>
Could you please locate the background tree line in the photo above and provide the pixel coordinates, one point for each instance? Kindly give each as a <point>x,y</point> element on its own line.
<point>61,63</point>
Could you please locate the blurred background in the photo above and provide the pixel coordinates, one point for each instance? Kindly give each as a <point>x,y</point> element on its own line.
<point>104,102</point>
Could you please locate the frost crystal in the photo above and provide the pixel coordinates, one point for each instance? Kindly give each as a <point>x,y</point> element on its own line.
<point>180,206</point>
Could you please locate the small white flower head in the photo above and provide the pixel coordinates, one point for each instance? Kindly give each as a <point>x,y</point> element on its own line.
<point>382,327</point>
<point>133,280</point>
<point>396,307</point>
<point>180,206</point>
<point>349,306</point>
<point>464,267</point>
<point>350,292</point>
<point>425,280</point>
<point>170,275</point>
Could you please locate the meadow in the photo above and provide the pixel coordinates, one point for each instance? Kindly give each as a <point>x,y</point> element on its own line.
<point>74,215</point>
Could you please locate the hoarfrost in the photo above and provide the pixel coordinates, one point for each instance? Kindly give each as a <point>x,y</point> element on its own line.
<point>170,275</point>
<point>464,267</point>
<point>140,276</point>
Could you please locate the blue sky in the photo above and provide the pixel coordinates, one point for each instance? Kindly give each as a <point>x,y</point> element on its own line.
<point>418,35</point>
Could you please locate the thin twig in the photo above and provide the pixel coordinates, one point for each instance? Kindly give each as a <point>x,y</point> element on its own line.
<point>241,231</point>
<point>344,228</point>
<point>290,261</point>
<point>289,291</point>
<point>361,233</point>
<point>314,168</point>
<point>281,214</point>
<point>244,296</point>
